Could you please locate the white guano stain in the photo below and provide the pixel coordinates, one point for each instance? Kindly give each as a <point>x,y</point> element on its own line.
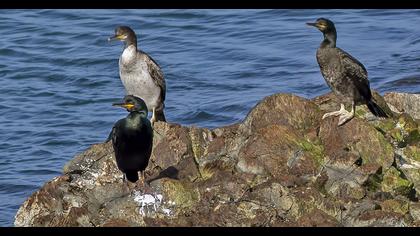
<point>150,202</point>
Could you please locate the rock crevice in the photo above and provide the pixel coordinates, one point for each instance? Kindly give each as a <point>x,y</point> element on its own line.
<point>281,166</point>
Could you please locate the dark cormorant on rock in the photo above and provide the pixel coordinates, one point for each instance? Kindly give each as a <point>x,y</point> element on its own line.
<point>345,75</point>
<point>140,74</point>
<point>132,139</point>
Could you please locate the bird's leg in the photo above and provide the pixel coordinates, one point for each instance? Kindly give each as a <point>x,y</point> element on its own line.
<point>346,116</point>
<point>153,119</point>
<point>140,181</point>
<point>130,186</point>
<point>335,113</point>
<point>126,184</point>
<point>145,186</point>
<point>142,178</point>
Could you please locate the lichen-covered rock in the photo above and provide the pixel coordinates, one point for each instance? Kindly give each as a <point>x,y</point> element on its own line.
<point>415,211</point>
<point>329,102</point>
<point>318,218</point>
<point>355,153</point>
<point>287,153</point>
<point>408,162</point>
<point>276,110</point>
<point>394,183</point>
<point>282,166</point>
<point>356,141</point>
<point>404,102</point>
<point>378,218</point>
<point>395,205</point>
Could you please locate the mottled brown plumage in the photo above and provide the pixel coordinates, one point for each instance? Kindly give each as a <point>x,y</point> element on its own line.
<point>140,74</point>
<point>344,74</point>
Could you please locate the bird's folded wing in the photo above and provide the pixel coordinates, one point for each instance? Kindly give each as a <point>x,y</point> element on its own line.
<point>357,72</point>
<point>156,74</point>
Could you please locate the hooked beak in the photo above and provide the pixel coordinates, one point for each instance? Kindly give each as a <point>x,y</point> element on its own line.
<point>127,106</point>
<point>312,24</point>
<point>116,37</point>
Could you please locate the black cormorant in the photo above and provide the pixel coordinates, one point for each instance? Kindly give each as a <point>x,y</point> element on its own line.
<point>132,139</point>
<point>140,74</point>
<point>345,75</point>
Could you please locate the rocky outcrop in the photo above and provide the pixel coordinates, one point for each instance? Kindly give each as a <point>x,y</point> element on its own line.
<point>404,102</point>
<point>282,166</point>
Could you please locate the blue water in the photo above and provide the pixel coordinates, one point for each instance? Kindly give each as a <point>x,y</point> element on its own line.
<point>59,75</point>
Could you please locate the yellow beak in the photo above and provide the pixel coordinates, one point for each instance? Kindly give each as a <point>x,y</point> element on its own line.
<point>116,37</point>
<point>128,106</point>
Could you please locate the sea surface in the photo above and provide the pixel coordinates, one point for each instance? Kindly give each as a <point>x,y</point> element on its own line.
<point>59,74</point>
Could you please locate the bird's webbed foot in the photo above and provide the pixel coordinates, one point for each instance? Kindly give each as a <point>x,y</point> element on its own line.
<point>346,116</point>
<point>343,113</point>
<point>143,185</point>
<point>335,113</point>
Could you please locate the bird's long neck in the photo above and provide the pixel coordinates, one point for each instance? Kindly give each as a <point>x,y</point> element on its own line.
<point>130,49</point>
<point>131,41</point>
<point>129,54</point>
<point>134,119</point>
<point>330,39</point>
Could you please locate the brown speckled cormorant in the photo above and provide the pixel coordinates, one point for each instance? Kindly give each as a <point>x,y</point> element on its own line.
<point>345,75</point>
<point>140,74</point>
<point>132,139</point>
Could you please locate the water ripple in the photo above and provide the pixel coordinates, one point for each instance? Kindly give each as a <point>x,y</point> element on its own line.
<point>59,73</point>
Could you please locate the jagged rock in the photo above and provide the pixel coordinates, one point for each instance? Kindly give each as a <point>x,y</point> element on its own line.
<point>378,218</point>
<point>276,110</point>
<point>395,205</point>
<point>408,161</point>
<point>415,211</point>
<point>394,183</point>
<point>355,152</point>
<point>318,218</point>
<point>282,166</point>
<point>328,103</point>
<point>404,102</point>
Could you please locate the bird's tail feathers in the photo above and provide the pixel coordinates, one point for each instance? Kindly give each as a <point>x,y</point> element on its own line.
<point>160,116</point>
<point>375,109</point>
<point>132,176</point>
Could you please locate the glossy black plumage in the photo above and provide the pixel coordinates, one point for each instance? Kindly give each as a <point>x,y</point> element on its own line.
<point>132,138</point>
